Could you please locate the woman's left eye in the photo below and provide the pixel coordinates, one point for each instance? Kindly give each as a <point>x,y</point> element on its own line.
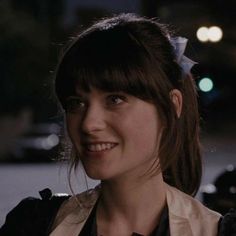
<point>115,99</point>
<point>74,105</point>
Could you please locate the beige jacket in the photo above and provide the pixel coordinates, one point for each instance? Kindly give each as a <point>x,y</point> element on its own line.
<point>187,216</point>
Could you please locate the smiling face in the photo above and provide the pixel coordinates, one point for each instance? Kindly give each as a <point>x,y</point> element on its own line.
<point>134,55</point>
<point>114,134</point>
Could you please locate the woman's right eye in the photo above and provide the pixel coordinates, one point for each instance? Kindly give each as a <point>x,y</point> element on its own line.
<point>74,105</point>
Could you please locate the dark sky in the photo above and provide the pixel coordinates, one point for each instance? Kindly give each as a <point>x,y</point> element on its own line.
<point>113,6</point>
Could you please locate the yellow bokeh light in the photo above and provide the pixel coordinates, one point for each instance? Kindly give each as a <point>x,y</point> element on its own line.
<point>215,34</point>
<point>212,34</point>
<point>202,34</point>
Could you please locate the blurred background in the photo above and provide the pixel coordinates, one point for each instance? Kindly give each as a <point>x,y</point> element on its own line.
<point>31,36</point>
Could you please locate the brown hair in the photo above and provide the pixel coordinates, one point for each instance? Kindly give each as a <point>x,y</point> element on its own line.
<point>134,55</point>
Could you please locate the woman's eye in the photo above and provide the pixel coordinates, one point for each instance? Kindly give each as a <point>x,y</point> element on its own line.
<point>115,99</point>
<point>73,105</point>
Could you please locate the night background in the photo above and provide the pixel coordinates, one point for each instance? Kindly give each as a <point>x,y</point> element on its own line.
<point>32,34</point>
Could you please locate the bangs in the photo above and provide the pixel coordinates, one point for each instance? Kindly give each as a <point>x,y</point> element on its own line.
<point>108,62</point>
<point>128,78</point>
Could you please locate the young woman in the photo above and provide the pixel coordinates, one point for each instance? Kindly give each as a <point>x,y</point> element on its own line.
<point>132,117</point>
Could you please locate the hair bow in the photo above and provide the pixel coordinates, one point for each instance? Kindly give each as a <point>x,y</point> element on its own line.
<point>179,44</point>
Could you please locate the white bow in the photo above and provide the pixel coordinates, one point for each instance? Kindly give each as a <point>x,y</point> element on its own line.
<point>179,44</point>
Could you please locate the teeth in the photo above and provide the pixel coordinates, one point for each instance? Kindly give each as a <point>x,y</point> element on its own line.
<point>100,147</point>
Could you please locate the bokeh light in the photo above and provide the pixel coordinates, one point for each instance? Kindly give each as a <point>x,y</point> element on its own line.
<point>212,34</point>
<point>202,34</point>
<point>215,34</point>
<point>206,84</point>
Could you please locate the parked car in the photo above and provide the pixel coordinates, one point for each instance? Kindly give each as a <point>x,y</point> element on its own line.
<point>40,143</point>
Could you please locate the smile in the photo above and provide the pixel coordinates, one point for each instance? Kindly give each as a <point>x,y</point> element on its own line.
<point>98,147</point>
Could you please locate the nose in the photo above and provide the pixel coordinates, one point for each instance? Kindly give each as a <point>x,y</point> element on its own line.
<point>93,120</point>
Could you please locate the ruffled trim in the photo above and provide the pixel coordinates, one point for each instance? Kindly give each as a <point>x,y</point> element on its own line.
<point>227,225</point>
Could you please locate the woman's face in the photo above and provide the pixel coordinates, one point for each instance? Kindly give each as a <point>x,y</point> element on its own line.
<point>115,134</point>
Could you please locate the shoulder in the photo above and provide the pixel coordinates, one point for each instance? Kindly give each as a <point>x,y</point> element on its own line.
<point>32,216</point>
<point>193,215</point>
<point>187,205</point>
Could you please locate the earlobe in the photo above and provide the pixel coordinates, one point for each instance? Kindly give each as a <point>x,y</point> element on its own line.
<point>177,99</point>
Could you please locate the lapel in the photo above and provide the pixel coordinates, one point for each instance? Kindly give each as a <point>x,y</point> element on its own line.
<point>179,226</point>
<point>188,217</point>
<point>80,207</point>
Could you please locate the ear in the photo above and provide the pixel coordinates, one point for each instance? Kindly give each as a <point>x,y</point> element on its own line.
<point>177,99</point>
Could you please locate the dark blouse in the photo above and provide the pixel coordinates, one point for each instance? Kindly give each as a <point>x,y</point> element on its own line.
<point>162,229</point>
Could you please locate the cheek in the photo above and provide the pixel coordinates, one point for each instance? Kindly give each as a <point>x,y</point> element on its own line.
<point>143,131</point>
<point>147,134</point>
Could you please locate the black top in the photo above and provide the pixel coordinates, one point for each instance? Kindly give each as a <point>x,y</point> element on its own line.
<point>162,229</point>
<point>34,217</point>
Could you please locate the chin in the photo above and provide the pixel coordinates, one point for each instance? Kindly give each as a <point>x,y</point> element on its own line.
<point>96,174</point>
<point>97,171</point>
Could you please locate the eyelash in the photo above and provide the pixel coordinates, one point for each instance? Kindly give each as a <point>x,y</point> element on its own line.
<point>112,97</point>
<point>73,105</point>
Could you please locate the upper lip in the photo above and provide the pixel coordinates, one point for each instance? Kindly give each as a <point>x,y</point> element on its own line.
<point>96,142</point>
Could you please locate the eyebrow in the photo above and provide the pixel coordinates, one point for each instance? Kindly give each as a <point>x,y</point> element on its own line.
<point>81,93</point>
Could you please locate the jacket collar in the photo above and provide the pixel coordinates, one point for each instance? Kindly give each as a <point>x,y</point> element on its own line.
<point>188,217</point>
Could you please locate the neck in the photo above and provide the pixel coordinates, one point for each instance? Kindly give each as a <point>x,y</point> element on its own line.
<point>136,204</point>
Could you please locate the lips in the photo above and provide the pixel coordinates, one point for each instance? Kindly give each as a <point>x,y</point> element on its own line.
<point>99,146</point>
